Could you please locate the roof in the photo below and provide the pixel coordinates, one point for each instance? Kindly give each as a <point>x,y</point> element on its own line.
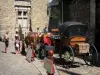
<point>69,23</point>
<point>65,25</point>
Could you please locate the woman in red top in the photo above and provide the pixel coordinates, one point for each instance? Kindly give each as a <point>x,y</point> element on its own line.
<point>47,40</point>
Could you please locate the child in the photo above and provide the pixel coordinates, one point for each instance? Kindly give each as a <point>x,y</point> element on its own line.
<point>17,45</point>
<point>50,56</point>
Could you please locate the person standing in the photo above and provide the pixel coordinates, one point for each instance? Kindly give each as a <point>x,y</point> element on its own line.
<point>49,63</point>
<point>17,45</point>
<point>6,40</point>
<point>17,35</point>
<point>50,57</point>
<point>45,30</point>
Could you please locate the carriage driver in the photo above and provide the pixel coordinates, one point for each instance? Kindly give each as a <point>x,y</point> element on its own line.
<point>47,40</point>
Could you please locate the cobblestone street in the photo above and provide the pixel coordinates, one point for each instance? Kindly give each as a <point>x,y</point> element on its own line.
<point>12,64</point>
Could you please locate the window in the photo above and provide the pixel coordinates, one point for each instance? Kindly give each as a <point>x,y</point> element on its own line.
<point>19,13</point>
<point>25,13</point>
<point>22,18</point>
<point>24,22</point>
<point>22,15</point>
<point>20,22</point>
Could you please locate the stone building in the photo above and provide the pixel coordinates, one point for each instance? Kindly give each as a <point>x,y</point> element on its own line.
<point>19,15</point>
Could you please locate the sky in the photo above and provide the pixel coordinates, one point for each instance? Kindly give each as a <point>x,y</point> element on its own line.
<point>49,0</point>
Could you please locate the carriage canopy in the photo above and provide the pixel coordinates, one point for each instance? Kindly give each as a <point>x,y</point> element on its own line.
<point>73,28</point>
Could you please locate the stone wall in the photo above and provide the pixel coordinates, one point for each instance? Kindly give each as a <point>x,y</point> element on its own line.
<point>39,15</point>
<point>84,11</point>
<point>80,11</point>
<point>7,17</point>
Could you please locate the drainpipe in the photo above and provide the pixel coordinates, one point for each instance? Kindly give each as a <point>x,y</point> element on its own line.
<point>92,22</point>
<point>62,10</point>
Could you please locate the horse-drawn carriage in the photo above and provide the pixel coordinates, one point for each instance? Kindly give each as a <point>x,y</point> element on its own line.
<point>69,41</point>
<point>73,42</point>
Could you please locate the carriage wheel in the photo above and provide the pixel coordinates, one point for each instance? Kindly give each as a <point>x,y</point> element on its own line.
<point>92,57</point>
<point>41,51</point>
<point>68,55</point>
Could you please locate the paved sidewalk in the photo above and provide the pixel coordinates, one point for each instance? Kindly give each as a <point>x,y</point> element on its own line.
<point>12,64</point>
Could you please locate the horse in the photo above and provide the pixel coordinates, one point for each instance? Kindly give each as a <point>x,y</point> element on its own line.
<point>31,39</point>
<point>31,42</point>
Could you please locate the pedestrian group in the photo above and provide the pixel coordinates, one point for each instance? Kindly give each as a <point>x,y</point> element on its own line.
<point>17,45</point>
